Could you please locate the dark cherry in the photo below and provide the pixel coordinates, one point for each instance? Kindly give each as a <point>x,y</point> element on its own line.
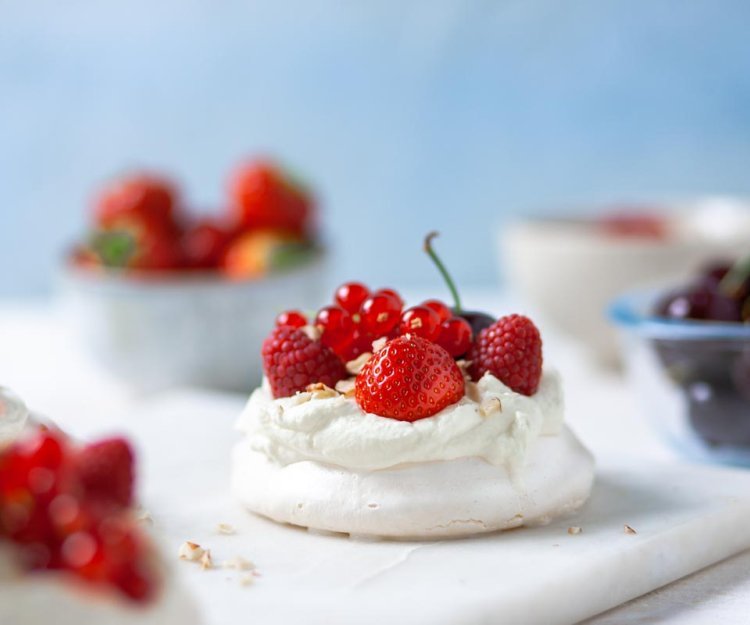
<point>718,414</point>
<point>685,304</point>
<point>723,308</point>
<point>714,378</point>
<point>740,373</point>
<point>712,274</point>
<point>477,320</point>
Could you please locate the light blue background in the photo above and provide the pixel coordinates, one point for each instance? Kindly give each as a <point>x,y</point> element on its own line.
<point>408,116</point>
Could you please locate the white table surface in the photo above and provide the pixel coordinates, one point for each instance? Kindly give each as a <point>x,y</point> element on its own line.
<point>38,361</point>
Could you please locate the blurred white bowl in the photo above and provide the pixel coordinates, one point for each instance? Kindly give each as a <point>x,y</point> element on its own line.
<point>569,269</point>
<point>167,331</point>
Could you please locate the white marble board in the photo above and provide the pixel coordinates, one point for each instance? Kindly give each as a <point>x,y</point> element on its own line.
<point>686,517</point>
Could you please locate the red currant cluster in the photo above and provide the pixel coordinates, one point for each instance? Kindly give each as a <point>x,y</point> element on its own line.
<point>68,509</point>
<point>360,316</point>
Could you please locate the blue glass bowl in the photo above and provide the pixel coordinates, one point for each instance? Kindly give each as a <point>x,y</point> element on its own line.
<point>692,378</point>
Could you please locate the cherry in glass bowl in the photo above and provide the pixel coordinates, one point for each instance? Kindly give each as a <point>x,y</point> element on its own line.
<point>691,376</point>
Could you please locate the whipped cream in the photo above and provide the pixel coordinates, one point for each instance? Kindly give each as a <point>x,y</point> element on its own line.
<point>13,416</point>
<point>336,431</point>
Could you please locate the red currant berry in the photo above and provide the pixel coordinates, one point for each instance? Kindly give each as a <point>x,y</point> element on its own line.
<point>43,450</point>
<point>337,326</point>
<point>351,295</point>
<point>442,310</point>
<point>380,314</point>
<point>455,336</point>
<point>361,343</point>
<point>393,294</point>
<point>421,321</point>
<point>293,318</point>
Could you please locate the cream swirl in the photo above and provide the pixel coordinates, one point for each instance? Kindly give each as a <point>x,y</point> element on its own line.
<point>336,431</point>
<point>13,416</point>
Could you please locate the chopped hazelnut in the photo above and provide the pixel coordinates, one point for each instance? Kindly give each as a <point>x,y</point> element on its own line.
<point>356,365</point>
<point>190,551</point>
<point>490,406</point>
<point>238,564</point>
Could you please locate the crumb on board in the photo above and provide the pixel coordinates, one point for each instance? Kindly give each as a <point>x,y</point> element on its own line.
<point>190,551</point>
<point>247,580</point>
<point>239,564</point>
<point>226,529</point>
<point>206,562</point>
<point>144,516</point>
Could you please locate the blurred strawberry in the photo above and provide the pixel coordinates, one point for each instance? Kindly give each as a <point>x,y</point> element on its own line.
<point>633,223</point>
<point>263,196</point>
<point>255,253</point>
<point>140,203</point>
<point>121,249</point>
<point>205,243</point>
<point>158,253</point>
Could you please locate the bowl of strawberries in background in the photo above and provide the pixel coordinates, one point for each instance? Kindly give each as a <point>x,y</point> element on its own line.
<point>161,297</point>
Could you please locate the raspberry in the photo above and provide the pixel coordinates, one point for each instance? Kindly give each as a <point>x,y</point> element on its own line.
<point>409,379</point>
<point>292,361</point>
<point>106,471</point>
<point>511,350</point>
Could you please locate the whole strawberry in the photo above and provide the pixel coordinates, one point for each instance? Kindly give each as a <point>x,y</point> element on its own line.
<point>511,350</point>
<point>292,361</point>
<point>105,469</point>
<point>139,202</point>
<point>205,243</point>
<point>409,379</point>
<point>263,196</point>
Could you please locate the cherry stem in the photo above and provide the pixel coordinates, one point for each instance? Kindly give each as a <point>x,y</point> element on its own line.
<point>443,271</point>
<point>731,283</point>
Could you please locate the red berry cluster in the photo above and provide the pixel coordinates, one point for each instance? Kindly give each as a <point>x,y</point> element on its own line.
<point>66,508</point>
<point>415,374</point>
<point>360,316</point>
<point>141,224</point>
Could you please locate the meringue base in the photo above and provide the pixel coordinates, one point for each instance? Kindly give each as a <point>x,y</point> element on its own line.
<point>433,499</point>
